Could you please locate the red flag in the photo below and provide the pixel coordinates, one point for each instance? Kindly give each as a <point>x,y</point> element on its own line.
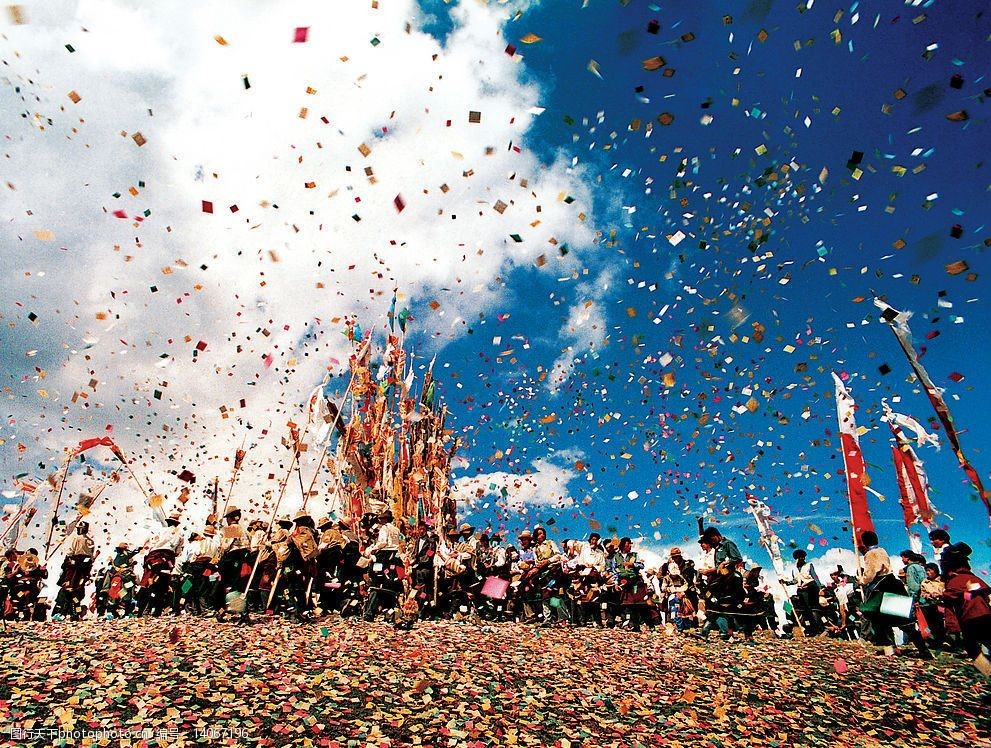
<point>898,321</point>
<point>853,461</point>
<point>913,485</point>
<point>96,441</point>
<point>99,441</point>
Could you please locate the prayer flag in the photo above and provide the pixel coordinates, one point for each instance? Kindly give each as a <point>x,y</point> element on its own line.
<point>913,485</point>
<point>853,460</point>
<point>898,321</point>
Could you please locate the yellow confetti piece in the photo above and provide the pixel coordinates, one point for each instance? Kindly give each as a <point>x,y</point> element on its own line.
<point>531,39</point>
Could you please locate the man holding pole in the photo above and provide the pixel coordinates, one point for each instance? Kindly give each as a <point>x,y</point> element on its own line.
<point>233,553</point>
<point>75,574</point>
<point>300,565</point>
<point>162,550</point>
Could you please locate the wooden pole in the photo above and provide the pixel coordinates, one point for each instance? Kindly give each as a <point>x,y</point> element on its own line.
<point>333,426</point>
<point>58,500</point>
<point>98,494</point>
<point>230,489</point>
<point>160,513</point>
<point>271,521</point>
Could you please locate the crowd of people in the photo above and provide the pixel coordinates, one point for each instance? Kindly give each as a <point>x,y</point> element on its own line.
<point>303,569</point>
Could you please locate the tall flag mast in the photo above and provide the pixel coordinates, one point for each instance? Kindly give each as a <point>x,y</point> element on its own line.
<point>853,464</point>
<point>898,322</point>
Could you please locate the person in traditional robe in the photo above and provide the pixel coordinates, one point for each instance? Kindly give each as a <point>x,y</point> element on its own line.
<point>162,549</point>
<point>299,567</point>
<point>76,569</point>
<point>234,550</point>
<point>384,553</point>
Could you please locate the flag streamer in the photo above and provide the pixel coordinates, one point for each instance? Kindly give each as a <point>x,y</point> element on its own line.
<point>898,322</point>
<point>853,460</point>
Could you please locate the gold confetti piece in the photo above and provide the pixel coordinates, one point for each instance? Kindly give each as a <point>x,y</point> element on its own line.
<point>531,39</point>
<point>74,97</point>
<point>220,40</point>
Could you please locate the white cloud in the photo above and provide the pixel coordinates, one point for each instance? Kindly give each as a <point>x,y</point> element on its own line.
<point>546,484</point>
<point>123,303</point>
<point>585,330</point>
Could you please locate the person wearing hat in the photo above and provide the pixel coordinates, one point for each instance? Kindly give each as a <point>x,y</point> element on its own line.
<point>466,546</point>
<point>526,599</point>
<point>272,549</point>
<point>200,571</point>
<point>757,608</point>
<point>806,598</point>
<point>162,550</point>
<point>626,568</point>
<point>21,579</point>
<point>330,555</point>
<point>967,595</point>
<point>232,565</point>
<point>75,574</point>
<point>421,552</point>
<point>383,589</point>
<point>298,566</point>
<point>549,571</point>
<point>115,590</point>
<point>279,540</point>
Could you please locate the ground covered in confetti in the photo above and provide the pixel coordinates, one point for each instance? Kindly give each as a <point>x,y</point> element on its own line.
<point>162,682</point>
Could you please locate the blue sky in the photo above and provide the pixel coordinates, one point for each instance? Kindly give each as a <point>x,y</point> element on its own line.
<point>689,241</point>
<point>833,253</point>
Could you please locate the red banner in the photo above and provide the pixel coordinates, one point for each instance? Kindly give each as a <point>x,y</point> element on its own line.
<point>99,441</point>
<point>898,321</point>
<point>856,475</point>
